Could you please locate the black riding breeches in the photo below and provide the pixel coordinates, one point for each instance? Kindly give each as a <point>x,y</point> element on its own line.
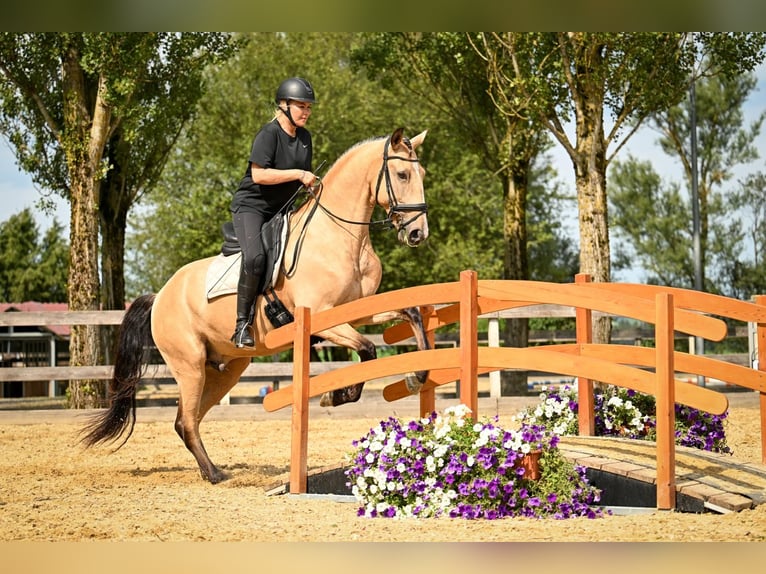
<point>247,226</point>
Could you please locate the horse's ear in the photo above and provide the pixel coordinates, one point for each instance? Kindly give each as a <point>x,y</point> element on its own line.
<point>418,139</point>
<point>396,137</point>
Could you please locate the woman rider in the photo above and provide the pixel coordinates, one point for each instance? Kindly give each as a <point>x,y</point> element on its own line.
<point>279,163</point>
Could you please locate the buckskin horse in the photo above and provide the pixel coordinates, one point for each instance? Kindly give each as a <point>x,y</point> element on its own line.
<point>333,262</point>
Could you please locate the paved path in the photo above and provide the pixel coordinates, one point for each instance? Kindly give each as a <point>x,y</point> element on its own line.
<point>717,482</point>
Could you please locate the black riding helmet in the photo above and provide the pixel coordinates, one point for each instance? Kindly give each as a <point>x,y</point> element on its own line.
<point>296,89</point>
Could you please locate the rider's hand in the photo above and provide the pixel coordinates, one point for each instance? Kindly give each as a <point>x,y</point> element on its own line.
<point>307,178</point>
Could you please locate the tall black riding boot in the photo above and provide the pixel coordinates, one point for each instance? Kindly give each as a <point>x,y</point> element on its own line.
<point>247,290</point>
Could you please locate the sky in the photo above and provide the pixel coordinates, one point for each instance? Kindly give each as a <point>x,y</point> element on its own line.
<point>18,192</point>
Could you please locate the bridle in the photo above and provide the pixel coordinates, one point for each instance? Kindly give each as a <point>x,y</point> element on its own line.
<point>394,206</point>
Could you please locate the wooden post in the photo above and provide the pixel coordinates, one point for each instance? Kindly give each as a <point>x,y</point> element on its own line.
<point>666,400</point>
<point>428,396</point>
<point>760,341</point>
<point>493,340</point>
<point>584,334</point>
<point>469,341</point>
<point>300,412</point>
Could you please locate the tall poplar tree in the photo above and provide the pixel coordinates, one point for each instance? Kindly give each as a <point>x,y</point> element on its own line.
<point>84,113</point>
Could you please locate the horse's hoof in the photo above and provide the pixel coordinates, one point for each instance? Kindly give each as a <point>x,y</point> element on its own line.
<point>412,383</point>
<point>326,400</point>
<point>214,477</point>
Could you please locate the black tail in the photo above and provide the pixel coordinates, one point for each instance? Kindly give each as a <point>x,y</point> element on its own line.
<point>135,335</point>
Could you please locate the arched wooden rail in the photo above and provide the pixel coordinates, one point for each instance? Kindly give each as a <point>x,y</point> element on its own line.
<point>463,301</point>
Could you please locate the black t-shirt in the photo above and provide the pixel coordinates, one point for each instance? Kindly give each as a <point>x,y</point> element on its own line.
<point>273,148</point>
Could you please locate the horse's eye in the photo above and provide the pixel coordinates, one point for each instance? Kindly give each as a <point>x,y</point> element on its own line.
<point>402,175</point>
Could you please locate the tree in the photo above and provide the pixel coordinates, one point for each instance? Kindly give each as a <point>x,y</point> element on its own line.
<point>724,143</point>
<point>79,109</point>
<point>656,220</point>
<point>747,275</point>
<point>653,221</point>
<point>32,268</point>
<point>573,79</point>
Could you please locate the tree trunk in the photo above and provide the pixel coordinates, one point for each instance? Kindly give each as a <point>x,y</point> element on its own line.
<point>114,204</point>
<point>516,331</point>
<point>83,144</point>
<point>590,174</point>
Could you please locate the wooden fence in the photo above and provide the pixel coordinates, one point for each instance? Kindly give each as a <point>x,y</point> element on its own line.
<point>275,371</point>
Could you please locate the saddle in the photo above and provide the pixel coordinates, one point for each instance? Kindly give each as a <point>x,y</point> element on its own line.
<point>223,273</point>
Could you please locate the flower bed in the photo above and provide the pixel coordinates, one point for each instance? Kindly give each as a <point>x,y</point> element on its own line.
<point>625,413</point>
<point>449,465</point>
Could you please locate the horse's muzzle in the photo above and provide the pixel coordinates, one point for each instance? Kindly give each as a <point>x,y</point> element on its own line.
<point>412,237</point>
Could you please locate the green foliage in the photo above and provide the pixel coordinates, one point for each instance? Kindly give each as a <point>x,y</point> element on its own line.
<point>32,268</point>
<point>653,221</point>
<point>747,274</point>
<point>147,79</point>
<point>653,218</point>
<point>465,215</point>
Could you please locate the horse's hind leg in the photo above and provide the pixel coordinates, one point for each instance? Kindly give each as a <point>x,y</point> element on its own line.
<point>219,382</point>
<point>191,381</point>
<point>193,406</point>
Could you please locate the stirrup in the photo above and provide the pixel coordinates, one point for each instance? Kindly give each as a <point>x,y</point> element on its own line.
<point>242,337</point>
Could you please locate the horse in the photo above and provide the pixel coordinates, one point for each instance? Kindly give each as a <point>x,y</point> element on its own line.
<point>333,262</point>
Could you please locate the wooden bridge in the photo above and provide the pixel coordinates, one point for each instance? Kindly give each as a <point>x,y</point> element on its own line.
<point>669,309</point>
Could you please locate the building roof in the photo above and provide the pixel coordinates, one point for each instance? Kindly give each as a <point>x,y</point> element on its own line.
<point>34,306</point>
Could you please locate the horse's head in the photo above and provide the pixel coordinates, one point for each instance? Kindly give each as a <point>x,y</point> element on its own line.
<point>404,200</point>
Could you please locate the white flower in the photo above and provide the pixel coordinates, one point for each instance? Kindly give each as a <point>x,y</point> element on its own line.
<point>614,401</point>
<point>459,411</point>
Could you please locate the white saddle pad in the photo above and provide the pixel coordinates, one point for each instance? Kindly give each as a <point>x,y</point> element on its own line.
<point>222,275</point>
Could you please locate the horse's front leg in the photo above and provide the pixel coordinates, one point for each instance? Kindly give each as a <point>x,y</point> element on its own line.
<point>413,316</point>
<point>415,381</point>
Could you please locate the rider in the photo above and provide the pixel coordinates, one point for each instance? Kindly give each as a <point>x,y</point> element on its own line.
<point>279,163</point>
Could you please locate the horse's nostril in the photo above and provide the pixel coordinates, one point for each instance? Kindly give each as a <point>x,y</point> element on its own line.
<point>416,236</point>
